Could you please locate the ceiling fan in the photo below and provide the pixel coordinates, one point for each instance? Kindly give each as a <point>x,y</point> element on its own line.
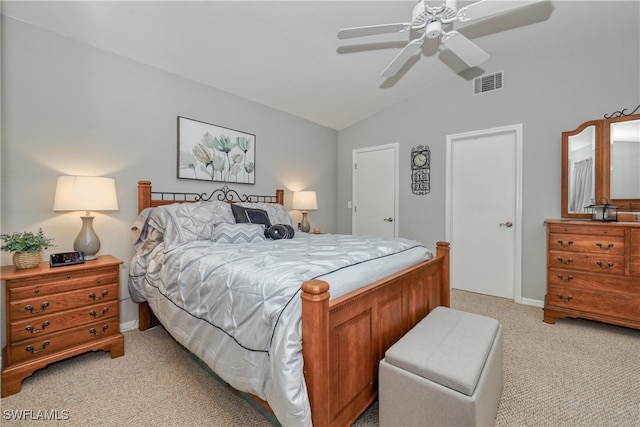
<point>430,21</point>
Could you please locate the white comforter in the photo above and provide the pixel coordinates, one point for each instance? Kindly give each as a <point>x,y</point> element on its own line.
<point>237,306</point>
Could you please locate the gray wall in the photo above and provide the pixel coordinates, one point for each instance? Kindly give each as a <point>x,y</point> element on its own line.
<point>69,108</point>
<point>547,94</point>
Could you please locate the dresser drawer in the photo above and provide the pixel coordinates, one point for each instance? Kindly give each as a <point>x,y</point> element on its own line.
<point>597,263</point>
<point>55,283</point>
<point>30,308</point>
<point>586,243</point>
<point>596,230</point>
<point>53,343</point>
<point>47,324</point>
<point>594,282</point>
<point>615,305</point>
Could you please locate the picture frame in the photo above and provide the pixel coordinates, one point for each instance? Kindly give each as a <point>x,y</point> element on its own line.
<point>208,152</point>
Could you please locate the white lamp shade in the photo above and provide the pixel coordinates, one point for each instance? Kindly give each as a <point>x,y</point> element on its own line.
<point>85,193</point>
<point>304,200</point>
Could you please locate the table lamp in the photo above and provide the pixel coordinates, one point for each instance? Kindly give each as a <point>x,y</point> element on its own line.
<point>304,201</point>
<point>86,193</point>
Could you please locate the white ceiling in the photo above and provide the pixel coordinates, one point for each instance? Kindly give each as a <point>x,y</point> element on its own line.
<point>285,54</point>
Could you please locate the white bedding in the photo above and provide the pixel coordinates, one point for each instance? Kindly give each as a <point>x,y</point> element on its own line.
<point>237,306</point>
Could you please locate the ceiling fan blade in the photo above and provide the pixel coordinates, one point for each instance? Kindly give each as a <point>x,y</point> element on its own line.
<point>464,48</point>
<point>486,8</point>
<point>401,58</point>
<point>371,30</point>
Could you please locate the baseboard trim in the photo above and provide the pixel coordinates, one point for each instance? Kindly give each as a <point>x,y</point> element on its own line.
<point>533,302</point>
<point>127,326</point>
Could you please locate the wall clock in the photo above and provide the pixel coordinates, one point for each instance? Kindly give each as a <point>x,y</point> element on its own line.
<point>420,170</point>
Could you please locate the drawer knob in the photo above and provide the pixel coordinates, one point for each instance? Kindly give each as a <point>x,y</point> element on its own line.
<point>34,311</point>
<point>37,331</point>
<point>562,261</point>
<point>604,248</point>
<point>562,298</point>
<point>97,298</point>
<point>563,279</point>
<point>68,276</point>
<point>96,333</point>
<point>96,315</point>
<point>33,350</point>
<point>603,265</point>
<point>565,245</point>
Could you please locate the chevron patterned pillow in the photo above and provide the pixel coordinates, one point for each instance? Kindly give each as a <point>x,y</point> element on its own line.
<point>238,233</point>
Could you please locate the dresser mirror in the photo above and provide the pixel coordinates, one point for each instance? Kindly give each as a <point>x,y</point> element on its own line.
<point>600,164</point>
<point>623,135</point>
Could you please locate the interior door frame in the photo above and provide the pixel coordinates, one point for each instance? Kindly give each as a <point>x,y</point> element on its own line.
<point>396,188</point>
<point>517,129</point>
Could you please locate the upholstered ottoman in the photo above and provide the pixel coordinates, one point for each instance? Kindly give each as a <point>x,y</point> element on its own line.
<point>446,371</point>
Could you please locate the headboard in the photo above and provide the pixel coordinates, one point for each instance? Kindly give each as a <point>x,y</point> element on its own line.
<point>151,199</point>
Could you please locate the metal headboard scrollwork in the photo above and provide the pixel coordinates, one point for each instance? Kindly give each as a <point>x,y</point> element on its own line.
<point>621,113</point>
<point>224,194</point>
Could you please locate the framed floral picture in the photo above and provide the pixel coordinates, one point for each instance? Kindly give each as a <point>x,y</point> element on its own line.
<point>214,153</point>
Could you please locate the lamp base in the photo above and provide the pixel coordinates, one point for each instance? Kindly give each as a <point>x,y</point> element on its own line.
<point>304,224</point>
<point>87,241</point>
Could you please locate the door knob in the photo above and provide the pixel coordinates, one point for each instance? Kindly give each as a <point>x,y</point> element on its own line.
<point>506,224</point>
<point>389,219</point>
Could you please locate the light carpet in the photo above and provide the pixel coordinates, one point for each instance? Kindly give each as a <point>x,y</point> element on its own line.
<point>574,373</point>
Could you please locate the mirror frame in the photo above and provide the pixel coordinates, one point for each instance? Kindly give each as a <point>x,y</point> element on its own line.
<point>602,178</point>
<point>598,182</point>
<point>606,156</point>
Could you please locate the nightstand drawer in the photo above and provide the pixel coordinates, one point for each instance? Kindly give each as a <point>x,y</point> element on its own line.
<point>29,308</point>
<point>47,324</point>
<point>55,283</point>
<point>596,263</point>
<point>44,346</point>
<point>583,243</point>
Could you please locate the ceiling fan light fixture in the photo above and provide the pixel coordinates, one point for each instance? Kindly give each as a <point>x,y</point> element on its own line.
<point>434,29</point>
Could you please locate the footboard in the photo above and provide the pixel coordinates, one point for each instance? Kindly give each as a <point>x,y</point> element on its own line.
<point>345,339</point>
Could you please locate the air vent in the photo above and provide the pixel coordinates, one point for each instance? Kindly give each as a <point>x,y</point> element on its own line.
<point>487,83</point>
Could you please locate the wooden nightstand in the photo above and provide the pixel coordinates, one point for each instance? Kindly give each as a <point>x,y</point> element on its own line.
<point>56,313</point>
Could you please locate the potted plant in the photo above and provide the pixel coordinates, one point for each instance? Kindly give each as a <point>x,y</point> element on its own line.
<point>27,246</point>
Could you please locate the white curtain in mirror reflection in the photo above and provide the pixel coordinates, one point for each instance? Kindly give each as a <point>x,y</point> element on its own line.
<point>582,191</point>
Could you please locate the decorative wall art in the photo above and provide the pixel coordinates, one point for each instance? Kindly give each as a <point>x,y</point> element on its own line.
<point>420,170</point>
<point>214,153</point>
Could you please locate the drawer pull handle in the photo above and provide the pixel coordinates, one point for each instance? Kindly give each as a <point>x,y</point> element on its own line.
<point>603,265</point>
<point>31,349</point>
<point>99,281</point>
<point>562,279</point>
<point>609,246</point>
<point>34,311</point>
<point>567,299</point>
<point>37,331</point>
<point>96,315</point>
<point>565,245</point>
<point>562,261</point>
<point>96,333</point>
<point>95,298</point>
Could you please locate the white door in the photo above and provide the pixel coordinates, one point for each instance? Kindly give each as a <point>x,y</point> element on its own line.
<point>483,211</point>
<point>375,188</point>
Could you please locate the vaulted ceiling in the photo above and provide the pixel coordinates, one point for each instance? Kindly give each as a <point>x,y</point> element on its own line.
<point>285,54</point>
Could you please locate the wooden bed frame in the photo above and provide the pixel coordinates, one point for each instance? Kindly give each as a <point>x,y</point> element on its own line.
<point>344,339</point>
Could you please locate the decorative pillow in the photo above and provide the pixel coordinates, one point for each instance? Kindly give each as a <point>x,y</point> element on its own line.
<point>238,233</point>
<point>278,214</point>
<point>280,231</point>
<point>250,215</point>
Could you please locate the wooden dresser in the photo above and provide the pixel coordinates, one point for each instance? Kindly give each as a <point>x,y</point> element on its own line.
<point>593,271</point>
<point>56,313</point>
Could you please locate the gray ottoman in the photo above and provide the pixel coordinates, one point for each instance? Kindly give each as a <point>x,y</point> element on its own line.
<point>446,371</point>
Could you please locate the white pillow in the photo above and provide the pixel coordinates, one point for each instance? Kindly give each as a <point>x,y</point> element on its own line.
<point>238,233</point>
